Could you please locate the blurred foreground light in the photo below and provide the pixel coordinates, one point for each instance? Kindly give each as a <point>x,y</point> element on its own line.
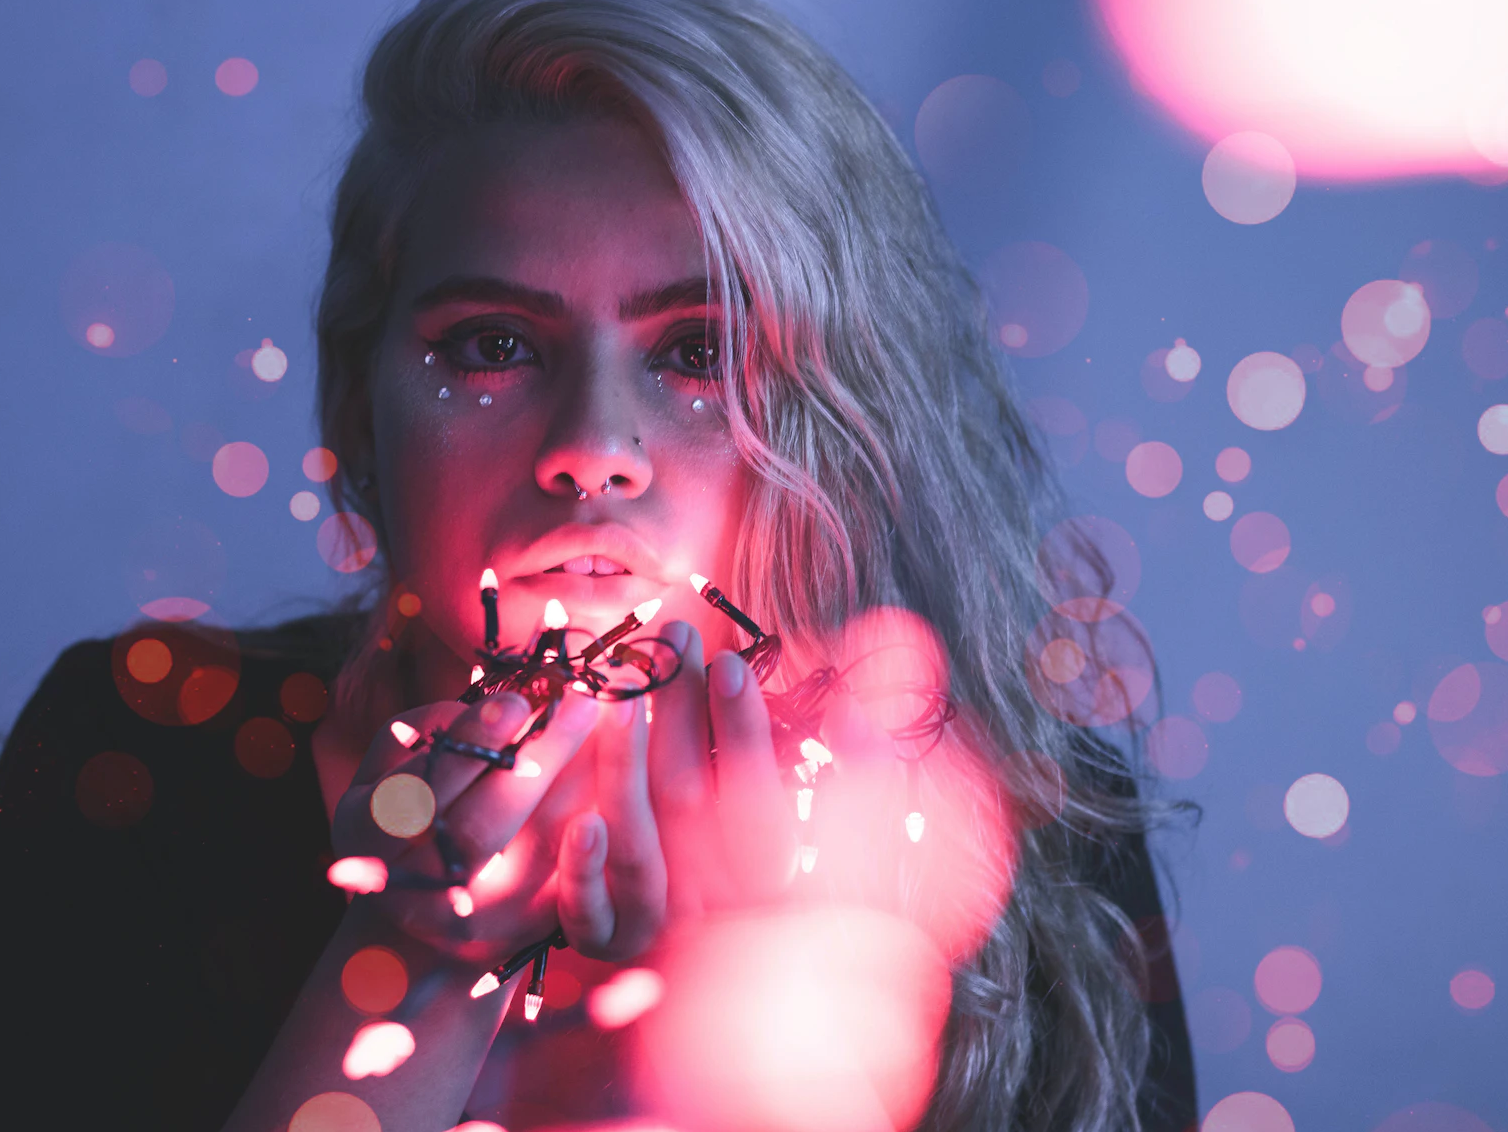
<point>1352,89</point>
<point>1247,1112</point>
<point>377,1049</point>
<point>1248,178</point>
<point>1316,805</point>
<point>625,997</point>
<point>1290,1044</point>
<point>1472,990</point>
<point>358,874</point>
<point>1288,980</point>
<point>328,1111</point>
<point>403,805</point>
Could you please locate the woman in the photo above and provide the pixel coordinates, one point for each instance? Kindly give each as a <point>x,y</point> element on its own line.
<point>619,291</point>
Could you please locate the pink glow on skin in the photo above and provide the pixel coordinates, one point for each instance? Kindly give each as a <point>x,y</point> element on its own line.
<point>1472,989</point>
<point>236,77</point>
<point>240,469</point>
<point>625,997</point>
<point>1217,697</point>
<point>1176,746</point>
<point>796,1022</point>
<point>346,542</point>
<point>1386,323</point>
<point>1259,540</point>
<point>1288,980</point>
<point>358,874</point>
<point>1485,348</point>
<point>377,1049</point>
<point>1447,273</point>
<point>1038,298</point>
<point>1316,805</point>
<point>1290,1044</point>
<point>1219,506</point>
<point>1370,88</point>
<point>1153,469</point>
<point>334,1112</point>
<point>1266,391</point>
<point>1233,465</point>
<point>1249,177</point>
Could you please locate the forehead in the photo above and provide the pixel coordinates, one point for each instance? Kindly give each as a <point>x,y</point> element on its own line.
<point>553,205</point>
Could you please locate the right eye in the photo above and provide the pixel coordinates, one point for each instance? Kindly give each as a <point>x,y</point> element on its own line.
<point>473,351</point>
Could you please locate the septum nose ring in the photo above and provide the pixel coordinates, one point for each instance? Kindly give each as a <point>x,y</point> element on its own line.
<point>580,491</point>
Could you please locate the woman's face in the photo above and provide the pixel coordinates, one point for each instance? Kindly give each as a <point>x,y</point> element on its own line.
<point>558,278</point>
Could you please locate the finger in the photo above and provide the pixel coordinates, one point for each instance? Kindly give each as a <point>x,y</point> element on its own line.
<point>583,904</point>
<point>754,811</point>
<point>490,811</point>
<point>635,864</point>
<point>680,774</point>
<point>492,723</point>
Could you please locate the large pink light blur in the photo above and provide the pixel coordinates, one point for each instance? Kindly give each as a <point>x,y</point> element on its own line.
<point>1353,89</point>
<point>626,996</point>
<point>1247,1112</point>
<point>815,1021</point>
<point>1288,980</point>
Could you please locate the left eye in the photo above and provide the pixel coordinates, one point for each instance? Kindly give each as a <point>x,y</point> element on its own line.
<point>496,347</point>
<point>698,356</point>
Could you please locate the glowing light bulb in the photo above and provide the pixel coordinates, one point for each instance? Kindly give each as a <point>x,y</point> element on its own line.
<point>358,874</point>
<point>485,985</point>
<point>646,610</point>
<point>816,752</point>
<point>580,686</point>
<point>808,858</point>
<point>804,803</point>
<point>489,579</point>
<point>460,900</point>
<point>476,673</point>
<point>698,583</point>
<point>402,732</point>
<point>532,1003</point>
<point>915,824</point>
<point>555,615</point>
<point>525,767</point>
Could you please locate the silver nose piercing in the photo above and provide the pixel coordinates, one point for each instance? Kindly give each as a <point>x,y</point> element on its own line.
<point>607,486</point>
<point>580,491</point>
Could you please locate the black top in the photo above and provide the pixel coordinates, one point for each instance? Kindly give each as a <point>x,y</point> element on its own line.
<point>163,847</point>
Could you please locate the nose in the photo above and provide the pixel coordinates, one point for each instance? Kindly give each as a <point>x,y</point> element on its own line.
<point>595,441</point>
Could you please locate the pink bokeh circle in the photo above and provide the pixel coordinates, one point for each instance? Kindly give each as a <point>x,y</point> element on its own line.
<point>1288,980</point>
<point>1386,322</point>
<point>1266,390</point>
<point>1260,541</point>
<point>1038,298</point>
<point>1153,469</point>
<point>1249,177</point>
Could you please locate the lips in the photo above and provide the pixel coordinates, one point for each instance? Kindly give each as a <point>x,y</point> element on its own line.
<point>596,550</point>
<point>597,565</point>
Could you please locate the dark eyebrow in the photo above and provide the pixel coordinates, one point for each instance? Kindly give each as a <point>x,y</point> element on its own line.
<point>547,304</point>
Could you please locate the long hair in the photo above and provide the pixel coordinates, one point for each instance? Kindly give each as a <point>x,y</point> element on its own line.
<point>892,466</point>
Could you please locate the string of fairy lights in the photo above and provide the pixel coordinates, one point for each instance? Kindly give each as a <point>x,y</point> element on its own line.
<point>618,665</point>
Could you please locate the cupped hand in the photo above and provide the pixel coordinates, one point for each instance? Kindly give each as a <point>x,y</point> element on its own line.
<point>727,828</point>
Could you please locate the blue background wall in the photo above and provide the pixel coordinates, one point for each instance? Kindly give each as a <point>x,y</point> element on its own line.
<point>230,193</point>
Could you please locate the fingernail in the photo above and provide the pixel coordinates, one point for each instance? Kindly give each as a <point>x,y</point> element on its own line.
<point>584,836</point>
<point>727,676</point>
<point>678,634</point>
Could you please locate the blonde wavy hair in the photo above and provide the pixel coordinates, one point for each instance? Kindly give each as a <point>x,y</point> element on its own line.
<point>892,465</point>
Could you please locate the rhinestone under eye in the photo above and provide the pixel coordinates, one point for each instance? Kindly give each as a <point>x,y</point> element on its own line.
<point>484,400</point>
<point>444,392</point>
<point>429,358</point>
<point>698,405</point>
